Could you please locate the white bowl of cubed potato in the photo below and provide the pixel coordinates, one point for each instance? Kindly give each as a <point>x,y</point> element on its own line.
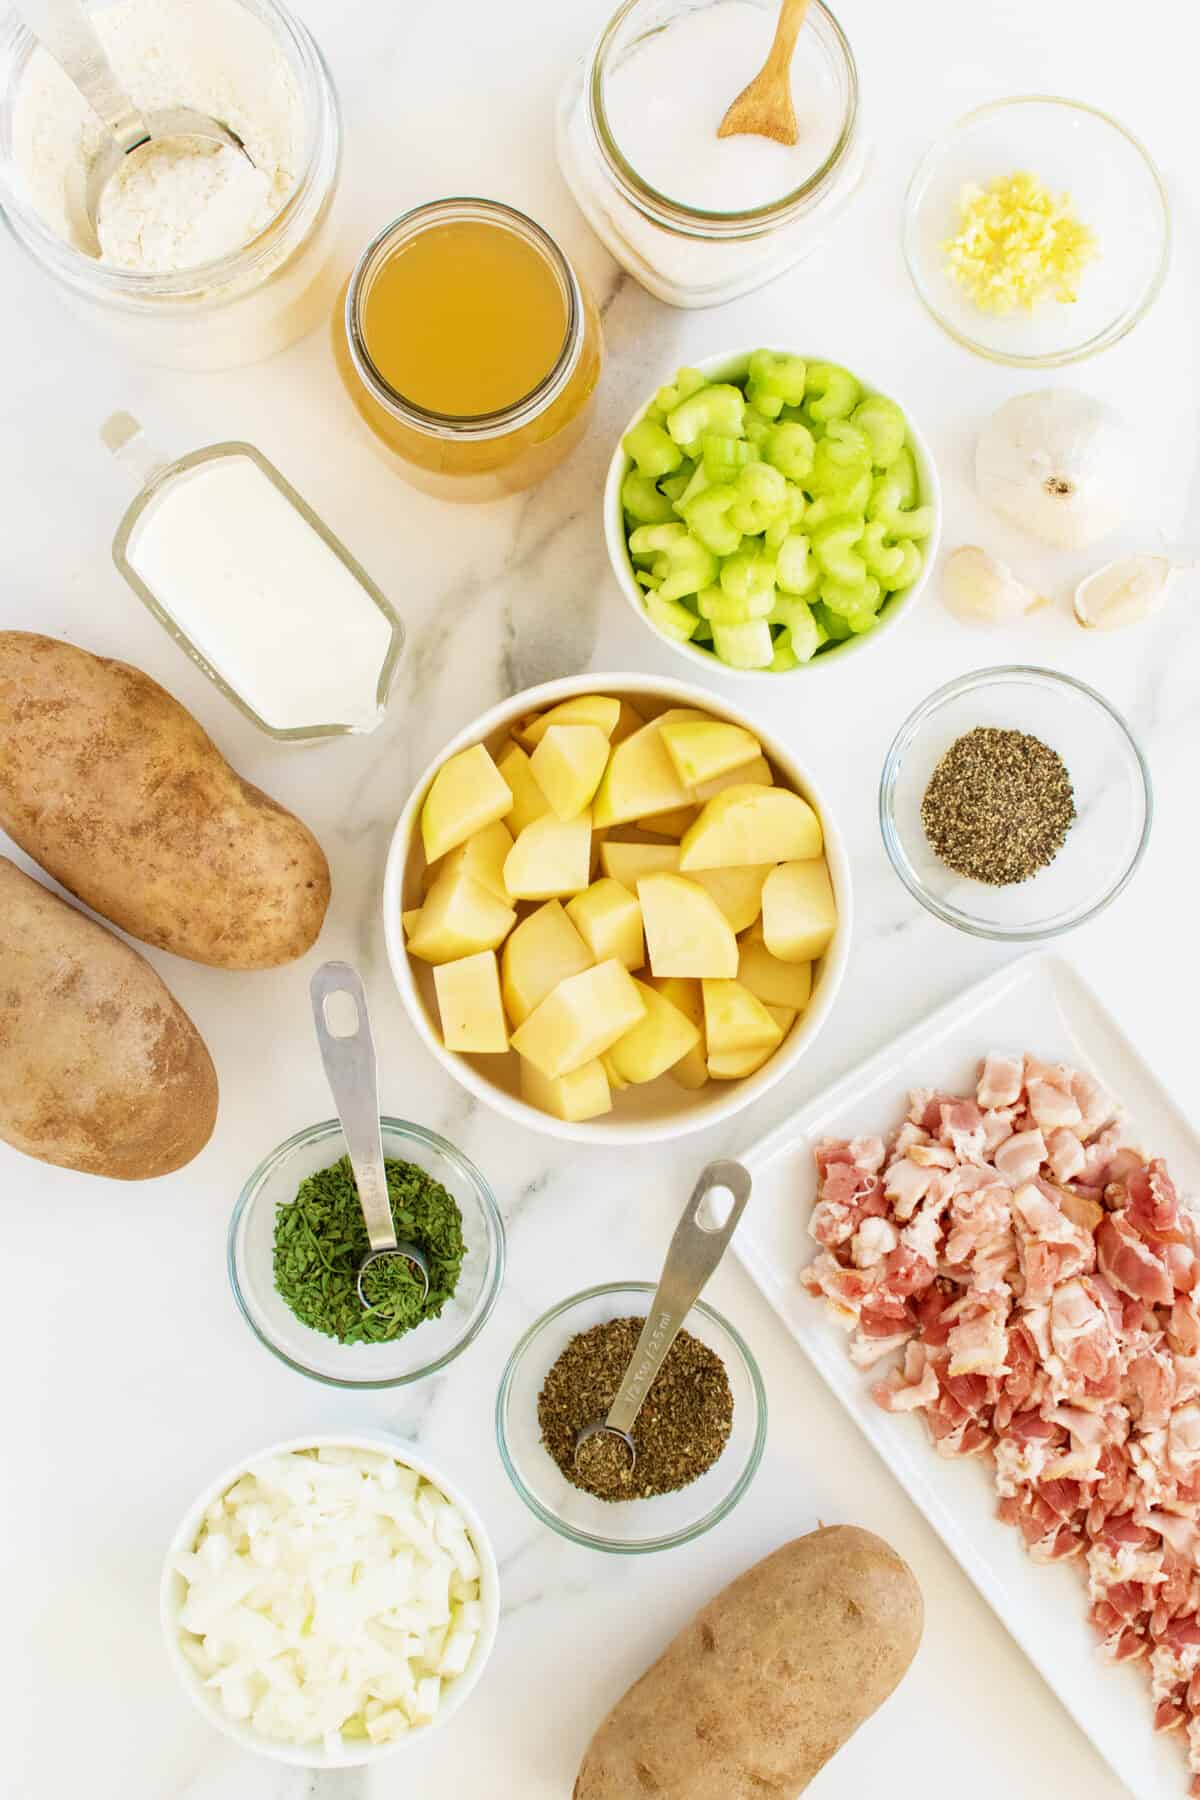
<point>610,934</point>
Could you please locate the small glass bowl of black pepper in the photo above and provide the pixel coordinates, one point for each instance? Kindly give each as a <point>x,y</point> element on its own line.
<point>732,1411</point>
<point>1015,803</point>
<point>464,1284</point>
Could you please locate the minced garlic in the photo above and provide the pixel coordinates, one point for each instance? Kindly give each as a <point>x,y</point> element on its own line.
<point>1017,244</point>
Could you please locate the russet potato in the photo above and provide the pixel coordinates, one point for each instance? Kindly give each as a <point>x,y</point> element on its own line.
<point>691,1071</point>
<point>670,824</point>
<point>116,790</point>
<point>583,1094</point>
<point>597,710</point>
<point>656,1043</point>
<point>750,824</point>
<point>467,793</point>
<point>738,892</point>
<point>686,931</point>
<point>751,774</point>
<point>468,997</point>
<point>735,1019</point>
<point>799,911</point>
<point>776,983</point>
<point>627,863</point>
<point>704,748</point>
<point>580,1019</point>
<point>567,766</point>
<point>640,779</point>
<point>609,920</point>
<point>542,951</point>
<point>459,918</point>
<point>481,856</point>
<point>552,857</point>
<point>528,801</point>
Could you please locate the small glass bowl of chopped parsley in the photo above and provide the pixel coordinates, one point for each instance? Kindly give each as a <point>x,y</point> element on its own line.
<point>296,1240</point>
<point>1015,803</point>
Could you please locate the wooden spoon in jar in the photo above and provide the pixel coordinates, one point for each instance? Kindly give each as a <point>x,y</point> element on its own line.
<point>764,107</point>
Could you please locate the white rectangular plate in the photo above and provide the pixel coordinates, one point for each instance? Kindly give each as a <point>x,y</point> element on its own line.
<point>1041,1005</point>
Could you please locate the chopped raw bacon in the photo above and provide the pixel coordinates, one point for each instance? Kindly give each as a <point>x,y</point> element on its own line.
<point>1034,1281</point>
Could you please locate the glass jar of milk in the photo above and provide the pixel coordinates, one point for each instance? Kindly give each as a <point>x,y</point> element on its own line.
<point>695,218</point>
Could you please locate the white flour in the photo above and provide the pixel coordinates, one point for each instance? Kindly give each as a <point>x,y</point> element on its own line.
<point>178,204</point>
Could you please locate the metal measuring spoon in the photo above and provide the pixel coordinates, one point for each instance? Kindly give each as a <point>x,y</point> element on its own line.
<point>694,1253</point>
<point>65,32</point>
<point>350,1069</point>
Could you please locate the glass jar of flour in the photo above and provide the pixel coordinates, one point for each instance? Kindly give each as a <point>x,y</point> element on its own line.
<point>695,218</point>
<point>209,260</point>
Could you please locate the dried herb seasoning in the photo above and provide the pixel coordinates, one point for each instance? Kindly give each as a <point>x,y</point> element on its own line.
<point>998,806</point>
<point>321,1240</point>
<point>680,1432</point>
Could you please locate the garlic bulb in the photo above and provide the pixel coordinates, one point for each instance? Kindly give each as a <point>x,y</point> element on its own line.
<point>1059,465</point>
<point>1122,592</point>
<point>979,586</point>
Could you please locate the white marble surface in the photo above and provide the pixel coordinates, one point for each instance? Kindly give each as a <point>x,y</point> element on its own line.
<point>129,1378</point>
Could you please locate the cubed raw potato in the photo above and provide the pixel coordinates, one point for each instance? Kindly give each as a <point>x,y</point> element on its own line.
<point>482,856</point>
<point>581,1019</point>
<point>674,714</point>
<point>609,920</point>
<point>686,931</point>
<point>691,1071</point>
<point>551,857</point>
<point>409,920</point>
<point>467,793</point>
<point>734,1065</point>
<point>784,1017</point>
<point>656,1042</point>
<point>567,766</point>
<point>630,720</point>
<point>776,983</point>
<point>584,709</point>
<point>799,913</point>
<point>751,774</point>
<point>671,824</point>
<point>640,779</point>
<point>468,997</point>
<point>738,892</point>
<point>459,918</point>
<point>616,1080</point>
<point>750,825</point>
<point>627,863</point>
<point>528,801</point>
<point>542,951</point>
<point>583,1094</point>
<point>735,1019</point>
<point>704,748</point>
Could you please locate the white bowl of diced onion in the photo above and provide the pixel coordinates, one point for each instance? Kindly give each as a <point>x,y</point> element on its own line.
<point>323,1570</point>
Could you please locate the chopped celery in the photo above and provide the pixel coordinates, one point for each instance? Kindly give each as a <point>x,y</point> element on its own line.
<point>703,632</point>
<point>648,540</point>
<point>726,609</point>
<point>651,449</point>
<point>677,621</point>
<point>903,471</point>
<point>909,569</point>
<point>675,485</point>
<point>647,578</point>
<point>883,560</point>
<point>748,574</point>
<point>643,502</point>
<point>779,380</point>
<point>748,646</point>
<point>795,571</point>
<point>685,567</point>
<point>835,389</point>
<point>699,481</point>
<point>852,599</point>
<point>790,449</point>
<point>724,456</point>
<point>831,623</point>
<point>762,497</point>
<point>716,409</point>
<point>833,547</point>
<point>686,383</point>
<point>708,519</point>
<point>884,425</point>
<point>799,625</point>
<point>784,658</point>
<point>890,509</point>
<point>756,426</point>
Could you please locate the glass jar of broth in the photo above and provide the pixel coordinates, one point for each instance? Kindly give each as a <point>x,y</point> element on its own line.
<point>470,347</point>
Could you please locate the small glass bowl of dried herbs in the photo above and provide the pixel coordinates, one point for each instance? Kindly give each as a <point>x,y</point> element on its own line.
<point>297,1238</point>
<point>700,1434</point>
<point>1015,803</point>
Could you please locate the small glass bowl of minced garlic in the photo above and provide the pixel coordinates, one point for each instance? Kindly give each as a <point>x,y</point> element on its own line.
<point>299,1303</point>
<point>1037,231</point>
<point>1015,803</point>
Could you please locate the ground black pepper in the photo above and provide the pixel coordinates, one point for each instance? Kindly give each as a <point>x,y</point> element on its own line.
<point>680,1432</point>
<point>998,806</point>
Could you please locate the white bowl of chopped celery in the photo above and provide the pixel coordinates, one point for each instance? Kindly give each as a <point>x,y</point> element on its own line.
<point>330,1600</point>
<point>767,513</point>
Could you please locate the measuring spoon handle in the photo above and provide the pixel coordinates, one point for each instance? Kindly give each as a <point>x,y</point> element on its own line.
<point>65,32</point>
<point>693,1255</point>
<point>351,1072</point>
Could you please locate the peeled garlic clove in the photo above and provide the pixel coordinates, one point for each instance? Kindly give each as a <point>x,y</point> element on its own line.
<point>1122,592</point>
<point>980,587</point>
